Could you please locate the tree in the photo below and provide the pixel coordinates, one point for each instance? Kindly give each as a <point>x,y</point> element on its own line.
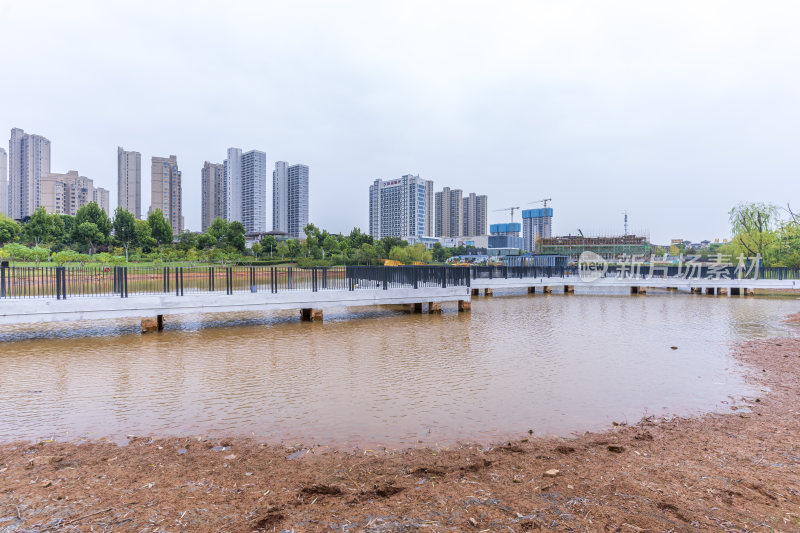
<point>91,212</point>
<point>440,253</point>
<point>387,243</point>
<point>88,233</point>
<point>752,226</point>
<point>293,248</point>
<point>234,235</point>
<point>269,242</point>
<point>38,254</point>
<point>8,229</point>
<point>160,229</point>
<point>144,237</point>
<point>124,228</point>
<point>41,227</point>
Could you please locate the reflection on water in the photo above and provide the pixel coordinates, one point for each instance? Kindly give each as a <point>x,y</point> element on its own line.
<point>553,364</point>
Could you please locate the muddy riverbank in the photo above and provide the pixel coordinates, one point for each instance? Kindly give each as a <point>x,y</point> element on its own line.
<point>738,471</point>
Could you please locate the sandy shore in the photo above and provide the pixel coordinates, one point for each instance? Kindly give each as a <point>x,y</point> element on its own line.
<point>722,472</point>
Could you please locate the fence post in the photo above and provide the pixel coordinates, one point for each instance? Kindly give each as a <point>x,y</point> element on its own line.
<point>385,280</point>
<point>177,283</point>
<point>414,275</point>
<point>444,277</point>
<point>126,277</point>
<point>324,277</point>
<point>313,279</point>
<point>63,283</point>
<point>126,282</point>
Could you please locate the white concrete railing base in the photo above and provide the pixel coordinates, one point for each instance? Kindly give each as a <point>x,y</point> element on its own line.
<point>37,310</point>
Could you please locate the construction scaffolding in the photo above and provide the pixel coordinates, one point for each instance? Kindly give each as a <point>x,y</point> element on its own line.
<point>608,247</point>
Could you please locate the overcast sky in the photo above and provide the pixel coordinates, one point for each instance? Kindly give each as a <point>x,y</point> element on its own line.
<point>673,111</point>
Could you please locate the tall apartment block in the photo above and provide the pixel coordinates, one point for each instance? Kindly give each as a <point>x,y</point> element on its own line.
<point>3,181</point>
<point>29,160</point>
<point>246,189</point>
<point>536,224</point>
<point>166,191</point>
<point>476,215</point>
<point>401,207</point>
<point>129,181</point>
<point>254,191</point>
<point>101,197</point>
<point>214,201</point>
<point>290,199</point>
<point>64,194</point>
<point>233,185</point>
<point>449,213</point>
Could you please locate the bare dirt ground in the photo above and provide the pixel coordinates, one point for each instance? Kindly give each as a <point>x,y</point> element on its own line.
<point>722,472</point>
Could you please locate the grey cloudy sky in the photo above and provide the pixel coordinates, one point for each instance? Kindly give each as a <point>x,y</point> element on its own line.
<point>673,111</point>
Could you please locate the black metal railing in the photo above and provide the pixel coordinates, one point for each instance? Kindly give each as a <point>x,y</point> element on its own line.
<point>64,282</point>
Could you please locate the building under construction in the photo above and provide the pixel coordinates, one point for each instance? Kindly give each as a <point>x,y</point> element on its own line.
<point>609,248</point>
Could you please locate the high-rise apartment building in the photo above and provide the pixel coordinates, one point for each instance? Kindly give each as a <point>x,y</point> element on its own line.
<point>254,191</point>
<point>401,207</point>
<point>449,213</point>
<point>64,194</point>
<point>101,197</point>
<point>129,181</point>
<point>214,201</point>
<point>536,224</point>
<point>290,199</point>
<point>476,209</point>
<point>3,181</point>
<point>166,191</point>
<point>246,189</point>
<point>233,184</point>
<point>29,160</point>
<point>280,197</point>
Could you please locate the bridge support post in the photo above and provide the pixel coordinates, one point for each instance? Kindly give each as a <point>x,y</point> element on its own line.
<point>434,307</point>
<point>531,290</point>
<point>547,290</point>
<point>151,325</point>
<point>311,315</point>
<point>476,292</point>
<point>488,292</point>
<point>569,289</point>
<point>464,305</point>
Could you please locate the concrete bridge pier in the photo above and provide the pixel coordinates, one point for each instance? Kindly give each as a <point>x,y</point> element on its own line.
<point>569,289</point>
<point>310,315</point>
<point>488,292</point>
<point>464,305</point>
<point>150,325</point>
<point>434,307</point>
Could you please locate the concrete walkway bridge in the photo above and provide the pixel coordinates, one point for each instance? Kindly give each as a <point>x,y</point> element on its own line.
<point>49,294</point>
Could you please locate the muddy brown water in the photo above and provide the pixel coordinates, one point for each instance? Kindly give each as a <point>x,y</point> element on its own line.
<point>553,364</point>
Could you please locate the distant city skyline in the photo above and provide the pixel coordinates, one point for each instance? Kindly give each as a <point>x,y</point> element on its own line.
<point>672,112</point>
